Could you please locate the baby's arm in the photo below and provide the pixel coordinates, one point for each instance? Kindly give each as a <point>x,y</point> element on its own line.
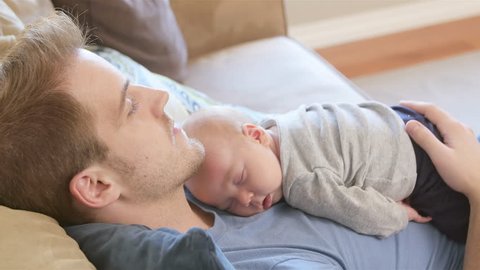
<point>365,210</point>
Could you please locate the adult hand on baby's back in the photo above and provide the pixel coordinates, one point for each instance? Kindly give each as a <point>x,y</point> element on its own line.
<point>457,158</point>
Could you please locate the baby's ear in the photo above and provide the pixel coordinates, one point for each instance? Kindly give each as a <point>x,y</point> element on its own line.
<point>255,132</point>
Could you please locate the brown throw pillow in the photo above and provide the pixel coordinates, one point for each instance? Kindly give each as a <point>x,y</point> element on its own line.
<point>35,241</point>
<point>146,30</point>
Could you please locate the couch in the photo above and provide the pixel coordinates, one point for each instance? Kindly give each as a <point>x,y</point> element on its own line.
<point>231,52</point>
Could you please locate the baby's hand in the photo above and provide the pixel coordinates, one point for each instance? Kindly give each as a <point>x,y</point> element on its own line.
<point>414,215</point>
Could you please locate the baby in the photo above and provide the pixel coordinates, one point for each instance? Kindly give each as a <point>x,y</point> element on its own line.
<point>352,163</point>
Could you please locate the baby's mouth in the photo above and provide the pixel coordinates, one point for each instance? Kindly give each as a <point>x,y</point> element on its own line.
<point>267,202</point>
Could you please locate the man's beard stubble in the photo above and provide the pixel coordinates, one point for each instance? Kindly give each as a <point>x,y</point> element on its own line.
<point>161,183</point>
<point>195,166</point>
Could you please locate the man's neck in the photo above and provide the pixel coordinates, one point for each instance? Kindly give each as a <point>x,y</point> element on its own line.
<point>173,212</point>
<point>181,215</point>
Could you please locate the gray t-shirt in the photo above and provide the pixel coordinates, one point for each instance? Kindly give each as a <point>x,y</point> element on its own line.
<point>350,163</point>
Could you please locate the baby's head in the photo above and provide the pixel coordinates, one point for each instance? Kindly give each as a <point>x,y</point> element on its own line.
<point>241,173</point>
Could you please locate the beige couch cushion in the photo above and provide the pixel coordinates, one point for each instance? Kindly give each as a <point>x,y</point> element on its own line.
<point>28,11</point>
<point>10,27</point>
<point>15,14</point>
<point>34,241</point>
<point>209,26</point>
<point>270,75</point>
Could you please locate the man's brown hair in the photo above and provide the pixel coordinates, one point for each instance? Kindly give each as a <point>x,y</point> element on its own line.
<point>46,136</point>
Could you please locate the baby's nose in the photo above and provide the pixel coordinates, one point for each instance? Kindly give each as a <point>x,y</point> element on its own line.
<point>245,197</point>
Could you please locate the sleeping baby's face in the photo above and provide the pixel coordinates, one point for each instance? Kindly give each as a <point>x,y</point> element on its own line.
<point>239,175</point>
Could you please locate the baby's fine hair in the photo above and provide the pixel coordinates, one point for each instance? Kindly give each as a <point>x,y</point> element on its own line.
<point>214,118</point>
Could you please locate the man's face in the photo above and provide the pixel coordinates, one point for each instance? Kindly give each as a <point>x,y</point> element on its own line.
<point>156,156</point>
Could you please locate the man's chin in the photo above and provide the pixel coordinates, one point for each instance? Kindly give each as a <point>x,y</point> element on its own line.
<point>198,157</point>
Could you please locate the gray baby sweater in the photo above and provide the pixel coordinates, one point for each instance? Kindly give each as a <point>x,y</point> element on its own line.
<point>349,163</point>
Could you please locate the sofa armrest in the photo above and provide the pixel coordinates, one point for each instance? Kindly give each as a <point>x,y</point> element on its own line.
<point>210,25</point>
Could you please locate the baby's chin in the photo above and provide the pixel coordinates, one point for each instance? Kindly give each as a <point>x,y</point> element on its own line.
<point>248,213</point>
<point>244,214</point>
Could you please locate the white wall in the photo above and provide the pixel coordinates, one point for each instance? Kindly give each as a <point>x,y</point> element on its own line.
<point>305,11</point>
<point>324,23</point>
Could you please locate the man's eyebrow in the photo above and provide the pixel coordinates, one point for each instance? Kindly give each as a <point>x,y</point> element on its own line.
<point>123,95</point>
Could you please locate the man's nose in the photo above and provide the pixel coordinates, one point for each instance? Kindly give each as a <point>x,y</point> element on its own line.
<point>245,197</point>
<point>158,99</point>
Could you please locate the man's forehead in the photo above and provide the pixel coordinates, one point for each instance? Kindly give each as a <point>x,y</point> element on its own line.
<point>95,83</point>
<point>86,59</point>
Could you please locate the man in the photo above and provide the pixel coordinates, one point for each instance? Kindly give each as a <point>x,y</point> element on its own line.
<point>81,144</point>
<point>82,122</point>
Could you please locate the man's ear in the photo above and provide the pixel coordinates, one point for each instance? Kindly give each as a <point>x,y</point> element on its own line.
<point>94,188</point>
<point>255,132</point>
